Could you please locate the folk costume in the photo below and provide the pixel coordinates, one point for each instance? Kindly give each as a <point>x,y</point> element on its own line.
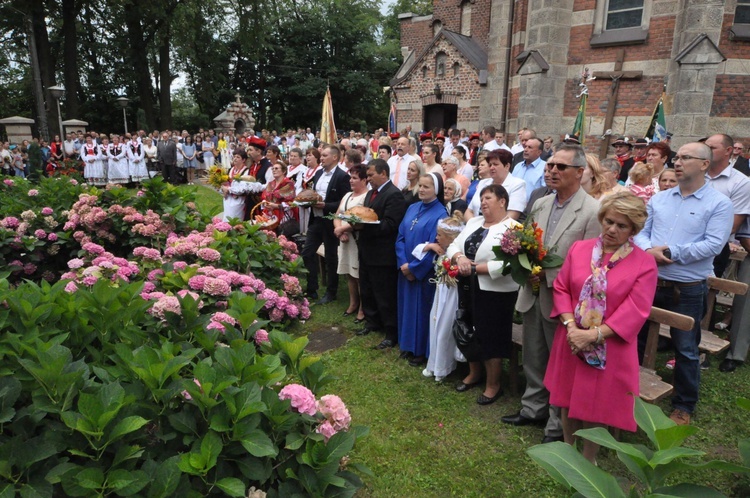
<point>119,171</point>
<point>92,166</point>
<point>136,161</point>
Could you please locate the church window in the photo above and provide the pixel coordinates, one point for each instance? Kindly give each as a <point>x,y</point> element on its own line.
<point>740,30</point>
<point>621,22</point>
<point>624,14</point>
<point>424,72</point>
<point>742,12</point>
<point>440,60</point>
<point>436,27</point>
<point>456,67</point>
<point>466,18</point>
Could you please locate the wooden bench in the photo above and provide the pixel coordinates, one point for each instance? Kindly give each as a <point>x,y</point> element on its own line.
<point>710,342</point>
<point>652,388</point>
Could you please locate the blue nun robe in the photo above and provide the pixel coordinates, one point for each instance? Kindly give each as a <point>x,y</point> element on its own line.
<point>419,226</point>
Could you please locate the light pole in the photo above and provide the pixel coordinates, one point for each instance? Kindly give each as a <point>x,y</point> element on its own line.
<point>123,101</point>
<point>57,93</point>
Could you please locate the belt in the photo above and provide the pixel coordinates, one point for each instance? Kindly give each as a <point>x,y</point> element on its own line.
<point>671,283</point>
<point>676,286</point>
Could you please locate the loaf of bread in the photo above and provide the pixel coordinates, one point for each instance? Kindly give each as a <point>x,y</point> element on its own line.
<point>363,213</point>
<point>308,195</point>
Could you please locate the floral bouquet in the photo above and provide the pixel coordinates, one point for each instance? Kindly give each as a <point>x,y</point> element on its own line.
<point>217,177</point>
<point>522,249</point>
<point>445,272</point>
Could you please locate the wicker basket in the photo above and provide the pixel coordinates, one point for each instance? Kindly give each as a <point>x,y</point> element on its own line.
<point>271,224</point>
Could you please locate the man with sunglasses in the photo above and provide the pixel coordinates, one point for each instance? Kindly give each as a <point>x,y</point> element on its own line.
<point>566,217</point>
<point>738,160</point>
<point>686,228</point>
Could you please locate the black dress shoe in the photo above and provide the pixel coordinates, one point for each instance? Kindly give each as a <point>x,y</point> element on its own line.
<point>417,361</point>
<point>519,420</point>
<point>484,400</point>
<point>327,299</point>
<point>357,321</point>
<point>363,331</point>
<point>461,387</point>
<point>406,355</point>
<point>552,439</point>
<point>346,313</point>
<point>385,344</point>
<point>728,365</point>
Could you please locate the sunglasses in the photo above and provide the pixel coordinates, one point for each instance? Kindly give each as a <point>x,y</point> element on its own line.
<point>560,166</point>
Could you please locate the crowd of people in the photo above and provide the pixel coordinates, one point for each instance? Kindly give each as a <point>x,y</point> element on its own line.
<point>646,226</point>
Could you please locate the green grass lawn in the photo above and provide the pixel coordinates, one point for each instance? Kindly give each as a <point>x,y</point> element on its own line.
<point>427,440</point>
<point>207,200</point>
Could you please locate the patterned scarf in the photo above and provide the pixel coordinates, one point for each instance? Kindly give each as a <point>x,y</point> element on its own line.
<point>592,303</point>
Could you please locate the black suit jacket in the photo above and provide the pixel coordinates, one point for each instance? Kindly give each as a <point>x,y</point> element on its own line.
<point>377,243</point>
<point>517,158</point>
<point>626,166</point>
<point>265,165</point>
<point>741,165</point>
<point>337,188</point>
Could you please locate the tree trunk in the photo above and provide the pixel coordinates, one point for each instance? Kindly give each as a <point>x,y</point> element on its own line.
<point>139,59</point>
<point>46,62</point>
<point>165,82</point>
<point>70,58</point>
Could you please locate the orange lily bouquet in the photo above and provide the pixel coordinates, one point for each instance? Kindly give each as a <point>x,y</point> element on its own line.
<point>522,249</point>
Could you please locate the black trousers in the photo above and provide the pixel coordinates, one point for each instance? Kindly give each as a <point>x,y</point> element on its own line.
<point>320,231</point>
<point>378,288</point>
<point>169,172</point>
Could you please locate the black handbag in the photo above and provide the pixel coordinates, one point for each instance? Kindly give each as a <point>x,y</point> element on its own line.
<point>463,328</point>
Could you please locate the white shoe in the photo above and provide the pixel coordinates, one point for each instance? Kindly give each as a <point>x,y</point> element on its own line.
<point>427,373</point>
<point>721,326</point>
<point>439,378</point>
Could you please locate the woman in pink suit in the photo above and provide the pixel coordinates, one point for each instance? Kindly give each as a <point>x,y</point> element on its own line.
<point>602,297</point>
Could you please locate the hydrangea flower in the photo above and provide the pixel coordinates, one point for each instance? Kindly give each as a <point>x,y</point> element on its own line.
<point>261,336</point>
<point>303,400</point>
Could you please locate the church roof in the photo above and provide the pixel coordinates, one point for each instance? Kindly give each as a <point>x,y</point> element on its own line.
<point>466,45</point>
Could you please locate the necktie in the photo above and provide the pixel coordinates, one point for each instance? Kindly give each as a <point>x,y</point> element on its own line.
<point>397,176</point>
<point>373,196</point>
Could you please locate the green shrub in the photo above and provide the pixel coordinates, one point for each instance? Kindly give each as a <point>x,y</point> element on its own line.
<point>99,396</point>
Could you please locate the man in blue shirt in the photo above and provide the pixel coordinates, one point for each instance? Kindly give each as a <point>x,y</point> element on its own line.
<point>531,169</point>
<point>687,227</point>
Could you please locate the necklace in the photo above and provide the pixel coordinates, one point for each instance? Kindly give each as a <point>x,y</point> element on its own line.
<point>414,222</point>
<point>485,223</point>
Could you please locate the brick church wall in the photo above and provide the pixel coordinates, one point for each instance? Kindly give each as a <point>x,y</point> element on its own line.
<point>416,34</point>
<point>463,89</point>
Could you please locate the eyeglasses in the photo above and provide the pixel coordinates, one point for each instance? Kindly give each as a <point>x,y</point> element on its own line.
<point>687,158</point>
<point>560,166</point>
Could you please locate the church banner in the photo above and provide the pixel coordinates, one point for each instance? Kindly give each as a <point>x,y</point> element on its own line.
<point>328,126</point>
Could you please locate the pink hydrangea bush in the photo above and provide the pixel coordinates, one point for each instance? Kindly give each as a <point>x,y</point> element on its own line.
<point>96,264</point>
<point>333,414</point>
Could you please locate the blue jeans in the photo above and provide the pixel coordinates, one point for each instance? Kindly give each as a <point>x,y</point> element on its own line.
<point>687,371</point>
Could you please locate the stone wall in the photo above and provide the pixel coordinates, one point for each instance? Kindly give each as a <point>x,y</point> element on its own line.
<point>416,91</point>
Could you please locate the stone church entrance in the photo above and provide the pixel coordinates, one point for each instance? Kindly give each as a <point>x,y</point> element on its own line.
<point>439,116</point>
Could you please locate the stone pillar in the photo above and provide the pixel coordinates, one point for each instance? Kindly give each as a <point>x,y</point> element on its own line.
<point>692,72</point>
<point>491,111</point>
<point>17,128</point>
<point>542,93</point>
